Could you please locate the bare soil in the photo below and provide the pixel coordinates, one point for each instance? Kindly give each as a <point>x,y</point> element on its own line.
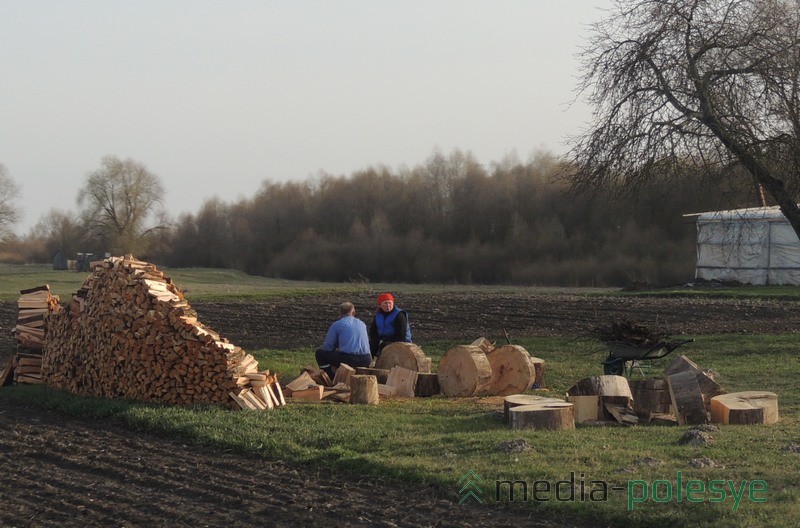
<point>63,471</point>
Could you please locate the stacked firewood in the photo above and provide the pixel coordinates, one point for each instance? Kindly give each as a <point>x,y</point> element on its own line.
<point>33,305</point>
<point>130,333</point>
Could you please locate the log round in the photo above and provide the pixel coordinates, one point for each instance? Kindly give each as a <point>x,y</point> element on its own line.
<point>465,371</point>
<point>516,400</point>
<point>551,416</point>
<point>364,389</point>
<point>512,370</point>
<point>406,355</point>
<point>750,407</point>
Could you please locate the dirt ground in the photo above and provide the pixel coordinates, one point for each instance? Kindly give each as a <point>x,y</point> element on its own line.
<point>59,471</point>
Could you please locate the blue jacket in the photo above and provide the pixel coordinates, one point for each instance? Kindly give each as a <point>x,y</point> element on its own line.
<point>348,335</point>
<point>389,328</point>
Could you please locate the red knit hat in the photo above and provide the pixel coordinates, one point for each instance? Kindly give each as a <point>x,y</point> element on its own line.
<point>385,297</point>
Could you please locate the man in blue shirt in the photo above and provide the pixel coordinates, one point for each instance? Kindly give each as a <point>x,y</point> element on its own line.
<point>346,342</point>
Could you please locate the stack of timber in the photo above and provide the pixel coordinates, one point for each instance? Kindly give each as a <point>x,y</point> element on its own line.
<point>33,305</point>
<point>258,391</point>
<point>130,333</point>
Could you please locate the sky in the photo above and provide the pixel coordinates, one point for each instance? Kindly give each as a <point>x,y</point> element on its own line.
<point>216,97</point>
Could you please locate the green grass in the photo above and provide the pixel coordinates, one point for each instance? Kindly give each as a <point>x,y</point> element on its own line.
<point>219,284</point>
<point>437,440</point>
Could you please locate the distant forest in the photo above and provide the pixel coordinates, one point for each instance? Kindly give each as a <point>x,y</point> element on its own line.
<point>449,220</point>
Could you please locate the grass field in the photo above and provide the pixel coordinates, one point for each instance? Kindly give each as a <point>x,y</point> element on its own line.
<point>438,440</point>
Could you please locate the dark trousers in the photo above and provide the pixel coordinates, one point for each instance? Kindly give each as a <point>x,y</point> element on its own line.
<point>327,359</point>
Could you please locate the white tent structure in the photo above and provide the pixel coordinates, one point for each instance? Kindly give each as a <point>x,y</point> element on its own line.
<point>750,246</point>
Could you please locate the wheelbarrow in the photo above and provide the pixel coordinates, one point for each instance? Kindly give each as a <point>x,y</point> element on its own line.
<point>622,356</point>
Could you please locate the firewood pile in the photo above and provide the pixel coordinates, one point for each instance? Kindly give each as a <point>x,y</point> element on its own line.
<point>33,305</point>
<point>129,332</point>
<point>403,370</point>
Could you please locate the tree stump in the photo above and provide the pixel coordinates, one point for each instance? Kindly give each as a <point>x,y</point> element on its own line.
<point>364,389</point>
<point>516,400</point>
<point>465,371</point>
<point>406,355</point>
<point>551,416</point>
<point>427,385</point>
<point>512,370</point>
<point>749,407</point>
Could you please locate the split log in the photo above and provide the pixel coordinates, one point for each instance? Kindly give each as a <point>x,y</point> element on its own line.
<point>484,344</point>
<point>303,381</point>
<point>427,385</point>
<point>343,374</point>
<point>586,408</point>
<point>407,355</point>
<point>705,379</point>
<point>465,371</point>
<point>543,416</point>
<point>364,390</point>
<point>538,368</point>
<point>750,407</point>
<point>687,400</point>
<point>516,400</point>
<point>380,374</point>
<point>608,388</point>
<point>512,370</point>
<point>386,390</point>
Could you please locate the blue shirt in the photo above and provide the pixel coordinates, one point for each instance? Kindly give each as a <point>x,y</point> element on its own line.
<point>348,335</point>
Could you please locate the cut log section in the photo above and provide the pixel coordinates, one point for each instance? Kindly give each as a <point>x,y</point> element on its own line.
<point>407,355</point>
<point>364,390</point>
<point>512,370</point>
<point>381,374</point>
<point>750,407</point>
<point>465,371</point>
<point>343,374</point>
<point>587,408</point>
<point>403,380</point>
<point>516,400</point>
<point>427,385</point>
<point>705,380</point>
<point>543,416</point>
<point>538,367</point>
<point>609,389</point>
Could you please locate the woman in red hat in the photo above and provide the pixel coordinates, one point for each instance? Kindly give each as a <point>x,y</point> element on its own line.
<point>390,325</point>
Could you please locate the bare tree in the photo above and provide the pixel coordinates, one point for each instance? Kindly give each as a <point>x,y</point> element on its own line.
<point>711,83</point>
<point>9,212</point>
<point>120,204</point>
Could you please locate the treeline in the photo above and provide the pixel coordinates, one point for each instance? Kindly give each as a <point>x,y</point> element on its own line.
<point>448,220</point>
<point>454,220</point>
